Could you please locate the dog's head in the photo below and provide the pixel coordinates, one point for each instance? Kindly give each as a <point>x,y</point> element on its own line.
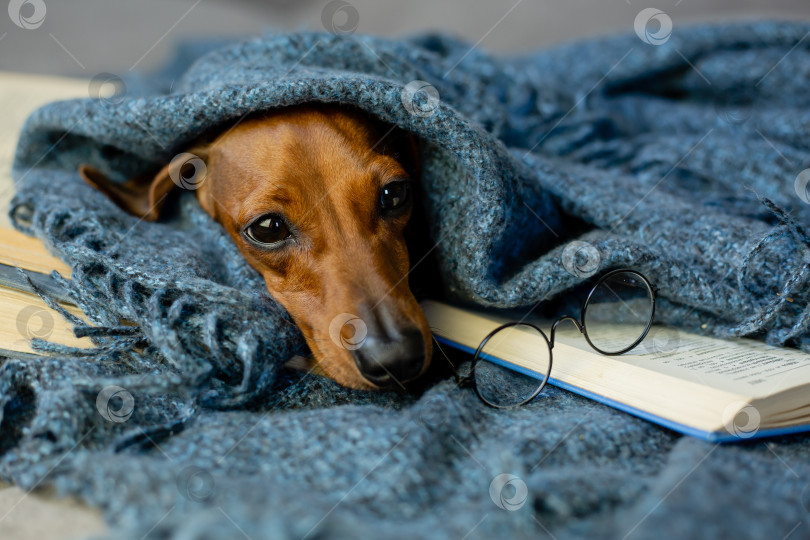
<point>317,200</point>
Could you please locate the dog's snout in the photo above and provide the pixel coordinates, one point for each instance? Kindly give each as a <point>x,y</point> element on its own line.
<point>388,361</point>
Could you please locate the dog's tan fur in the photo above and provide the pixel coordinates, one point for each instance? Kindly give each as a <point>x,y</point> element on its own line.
<point>322,168</point>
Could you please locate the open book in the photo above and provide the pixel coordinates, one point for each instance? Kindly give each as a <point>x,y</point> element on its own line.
<point>714,389</point>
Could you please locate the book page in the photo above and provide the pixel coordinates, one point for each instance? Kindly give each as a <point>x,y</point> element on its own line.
<point>741,366</point>
<point>638,381</point>
<point>20,95</point>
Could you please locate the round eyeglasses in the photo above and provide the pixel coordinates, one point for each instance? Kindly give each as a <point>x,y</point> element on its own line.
<point>615,318</point>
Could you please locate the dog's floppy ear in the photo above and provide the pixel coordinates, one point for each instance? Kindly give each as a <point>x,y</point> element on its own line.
<point>142,196</point>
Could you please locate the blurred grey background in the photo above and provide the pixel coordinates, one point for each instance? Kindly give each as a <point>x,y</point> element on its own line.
<point>86,37</point>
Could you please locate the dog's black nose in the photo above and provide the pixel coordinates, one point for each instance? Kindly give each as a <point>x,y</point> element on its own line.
<point>391,361</point>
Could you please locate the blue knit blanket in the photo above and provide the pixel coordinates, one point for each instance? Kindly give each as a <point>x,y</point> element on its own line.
<point>683,160</point>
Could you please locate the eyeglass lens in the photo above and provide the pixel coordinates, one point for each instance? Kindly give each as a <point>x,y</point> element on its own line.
<point>616,317</point>
<point>526,348</point>
<point>618,312</point>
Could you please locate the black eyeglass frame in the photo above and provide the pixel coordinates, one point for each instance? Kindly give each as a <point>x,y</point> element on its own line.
<point>580,325</point>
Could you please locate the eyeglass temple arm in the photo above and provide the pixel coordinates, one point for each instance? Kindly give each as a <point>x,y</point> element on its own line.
<point>558,321</point>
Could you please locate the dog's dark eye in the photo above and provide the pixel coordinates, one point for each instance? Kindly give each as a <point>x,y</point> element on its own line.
<point>395,195</point>
<point>269,229</point>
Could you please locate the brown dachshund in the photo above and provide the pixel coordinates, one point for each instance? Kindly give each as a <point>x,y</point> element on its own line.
<point>317,199</point>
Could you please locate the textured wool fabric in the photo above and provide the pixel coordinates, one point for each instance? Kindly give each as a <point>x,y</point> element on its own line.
<point>538,173</point>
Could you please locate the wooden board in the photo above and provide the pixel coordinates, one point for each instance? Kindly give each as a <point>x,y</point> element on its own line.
<point>17,249</point>
<point>25,315</point>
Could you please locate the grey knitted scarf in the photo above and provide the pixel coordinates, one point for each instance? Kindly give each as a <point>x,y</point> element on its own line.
<point>683,160</point>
